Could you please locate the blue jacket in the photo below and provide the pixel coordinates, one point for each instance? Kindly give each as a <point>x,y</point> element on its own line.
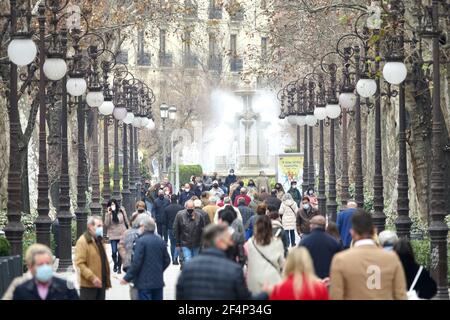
<point>246,214</point>
<point>185,196</point>
<point>344,224</point>
<point>212,276</point>
<point>229,180</point>
<point>160,209</point>
<point>58,290</point>
<point>149,262</point>
<point>322,247</point>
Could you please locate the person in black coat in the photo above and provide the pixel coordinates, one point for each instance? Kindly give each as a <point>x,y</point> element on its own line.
<point>160,214</point>
<point>321,246</point>
<point>425,287</point>
<point>44,285</point>
<point>211,275</point>
<point>230,179</point>
<point>273,200</point>
<point>186,194</point>
<point>149,261</point>
<point>171,212</point>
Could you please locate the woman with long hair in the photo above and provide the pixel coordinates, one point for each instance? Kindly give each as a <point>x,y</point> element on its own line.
<point>265,256</point>
<point>300,281</point>
<point>116,223</point>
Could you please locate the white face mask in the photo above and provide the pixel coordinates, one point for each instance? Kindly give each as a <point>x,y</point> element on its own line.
<point>113,207</point>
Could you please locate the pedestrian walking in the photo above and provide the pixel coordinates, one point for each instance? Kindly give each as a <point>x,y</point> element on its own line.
<point>149,261</point>
<point>43,285</point>
<point>235,252</point>
<point>216,191</point>
<point>140,209</point>
<point>160,215</point>
<point>211,275</point>
<point>91,261</point>
<point>186,194</point>
<point>277,228</point>
<point>126,249</point>
<point>273,200</point>
<point>116,223</point>
<point>288,212</point>
<point>246,212</point>
<point>366,271</point>
<point>262,182</point>
<point>344,223</point>
<point>242,195</point>
<point>188,227</point>
<point>265,256</point>
<point>312,198</point>
<point>300,281</point>
<point>387,239</point>
<point>211,208</point>
<point>419,283</point>
<point>280,190</point>
<point>235,190</point>
<point>198,206</point>
<point>230,179</point>
<point>305,213</point>
<point>295,193</point>
<point>171,212</point>
<point>261,210</point>
<point>321,246</point>
<point>262,195</point>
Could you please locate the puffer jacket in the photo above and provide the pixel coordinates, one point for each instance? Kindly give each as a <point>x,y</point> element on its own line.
<point>188,231</point>
<point>288,211</point>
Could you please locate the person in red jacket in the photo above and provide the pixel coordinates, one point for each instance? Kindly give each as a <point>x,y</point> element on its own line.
<point>242,195</point>
<point>300,282</point>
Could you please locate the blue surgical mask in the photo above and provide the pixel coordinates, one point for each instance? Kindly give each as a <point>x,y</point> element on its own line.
<point>99,231</point>
<point>306,206</point>
<point>44,273</point>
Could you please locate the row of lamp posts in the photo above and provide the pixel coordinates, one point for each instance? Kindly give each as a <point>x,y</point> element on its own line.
<point>127,105</point>
<point>303,105</point>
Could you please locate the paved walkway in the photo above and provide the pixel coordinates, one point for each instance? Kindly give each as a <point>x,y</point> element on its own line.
<point>122,292</point>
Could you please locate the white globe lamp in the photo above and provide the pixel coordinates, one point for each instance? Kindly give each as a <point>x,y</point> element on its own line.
<point>120,113</point>
<point>320,113</point>
<point>55,68</point>
<point>22,51</point>
<point>136,122</point>
<point>366,88</point>
<point>144,122</point>
<point>151,125</point>
<point>333,110</point>
<point>129,118</point>
<point>311,120</point>
<point>347,100</point>
<point>106,108</point>
<point>301,120</point>
<point>76,86</point>
<point>94,99</point>
<point>395,72</point>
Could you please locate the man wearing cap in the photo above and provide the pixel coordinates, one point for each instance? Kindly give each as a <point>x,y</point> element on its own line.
<point>321,246</point>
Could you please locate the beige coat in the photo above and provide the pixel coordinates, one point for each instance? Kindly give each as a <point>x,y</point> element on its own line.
<point>116,230</point>
<point>211,211</point>
<point>262,181</point>
<point>288,211</point>
<point>88,262</point>
<point>367,272</point>
<point>260,271</point>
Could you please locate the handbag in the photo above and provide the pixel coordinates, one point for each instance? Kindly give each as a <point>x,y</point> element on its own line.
<point>265,258</point>
<point>412,294</point>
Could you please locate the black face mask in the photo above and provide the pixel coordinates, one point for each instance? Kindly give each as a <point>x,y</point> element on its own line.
<point>141,210</point>
<point>161,196</point>
<point>215,185</point>
<point>190,211</point>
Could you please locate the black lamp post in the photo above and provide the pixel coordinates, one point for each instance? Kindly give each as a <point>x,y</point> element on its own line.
<point>320,105</point>
<point>359,183</point>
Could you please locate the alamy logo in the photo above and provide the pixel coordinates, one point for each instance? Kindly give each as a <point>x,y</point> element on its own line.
<point>374,279</point>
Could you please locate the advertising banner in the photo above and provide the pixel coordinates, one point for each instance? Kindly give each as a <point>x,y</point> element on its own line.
<point>290,168</point>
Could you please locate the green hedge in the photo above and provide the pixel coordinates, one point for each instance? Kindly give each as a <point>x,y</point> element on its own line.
<point>5,247</point>
<point>186,171</point>
<point>422,253</point>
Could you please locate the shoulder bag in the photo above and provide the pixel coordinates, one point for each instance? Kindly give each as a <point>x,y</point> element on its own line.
<point>412,294</point>
<point>265,258</point>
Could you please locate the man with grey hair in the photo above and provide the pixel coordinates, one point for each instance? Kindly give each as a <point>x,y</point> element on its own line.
<point>321,246</point>
<point>344,223</point>
<point>149,261</point>
<point>387,239</point>
<point>91,261</point>
<point>188,227</point>
<point>204,214</point>
<point>244,196</point>
<point>43,285</point>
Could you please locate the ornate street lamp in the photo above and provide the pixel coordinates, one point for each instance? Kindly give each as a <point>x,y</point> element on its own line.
<point>164,113</point>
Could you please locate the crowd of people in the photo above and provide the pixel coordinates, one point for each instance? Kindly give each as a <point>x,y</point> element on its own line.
<point>233,241</point>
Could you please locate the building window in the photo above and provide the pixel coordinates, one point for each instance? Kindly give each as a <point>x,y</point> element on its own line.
<point>233,45</point>
<point>122,57</point>
<point>264,48</point>
<point>236,64</point>
<point>214,60</point>
<point>215,10</point>
<point>165,59</point>
<point>143,58</point>
<point>190,7</point>
<point>189,60</point>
